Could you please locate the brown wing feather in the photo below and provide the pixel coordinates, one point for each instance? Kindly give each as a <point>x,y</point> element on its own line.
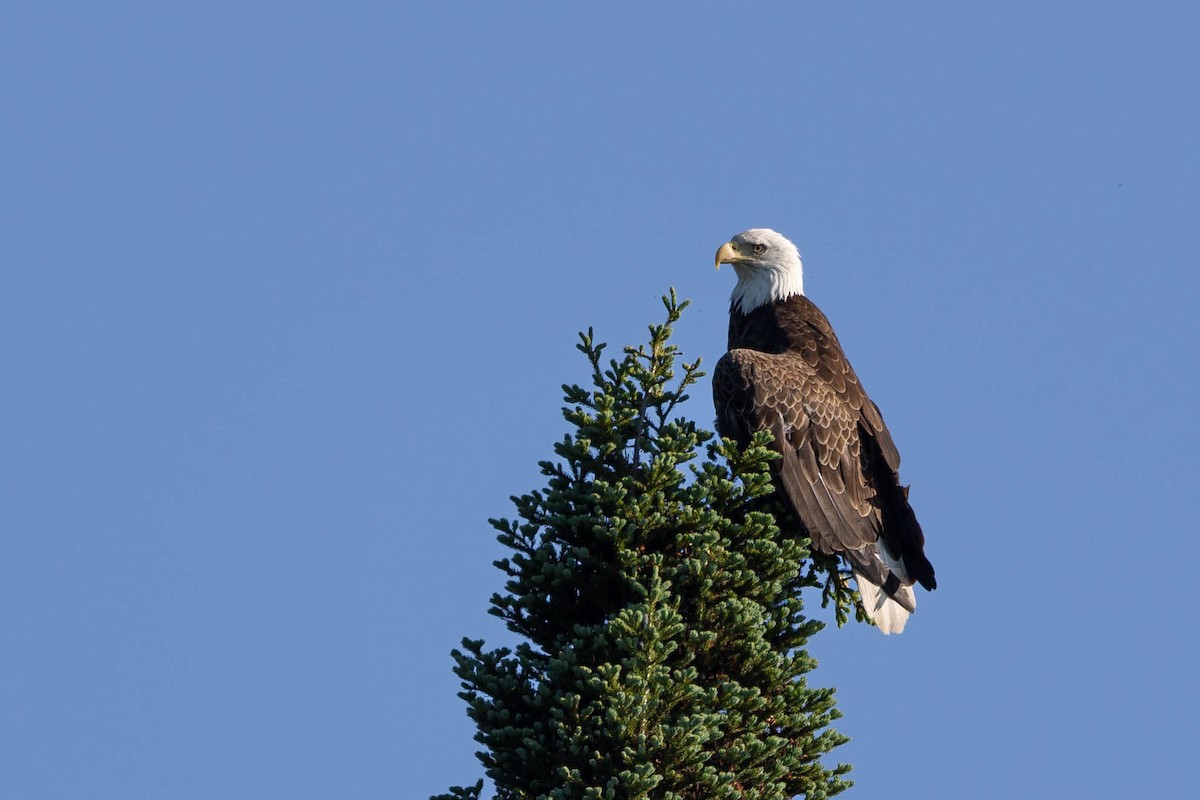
<point>785,371</point>
<point>817,439</point>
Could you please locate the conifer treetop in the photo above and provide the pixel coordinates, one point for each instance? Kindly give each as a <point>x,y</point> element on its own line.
<point>663,637</point>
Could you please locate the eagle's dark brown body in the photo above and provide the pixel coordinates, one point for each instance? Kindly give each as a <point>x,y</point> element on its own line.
<point>785,371</point>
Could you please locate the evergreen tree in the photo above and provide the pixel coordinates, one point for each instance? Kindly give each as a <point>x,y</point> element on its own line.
<point>663,653</point>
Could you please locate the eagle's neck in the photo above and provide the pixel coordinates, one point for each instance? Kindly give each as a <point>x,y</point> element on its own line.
<point>794,324</point>
<point>763,284</point>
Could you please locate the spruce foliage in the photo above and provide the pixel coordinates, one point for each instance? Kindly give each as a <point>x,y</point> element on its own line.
<point>663,653</point>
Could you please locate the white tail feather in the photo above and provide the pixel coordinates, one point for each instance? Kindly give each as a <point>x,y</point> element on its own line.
<point>886,613</point>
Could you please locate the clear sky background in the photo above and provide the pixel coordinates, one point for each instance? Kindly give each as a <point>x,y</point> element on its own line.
<point>287,293</point>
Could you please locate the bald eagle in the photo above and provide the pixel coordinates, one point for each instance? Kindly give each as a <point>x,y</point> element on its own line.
<point>838,472</point>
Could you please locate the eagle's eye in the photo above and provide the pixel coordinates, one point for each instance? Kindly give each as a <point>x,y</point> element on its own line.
<point>759,249</point>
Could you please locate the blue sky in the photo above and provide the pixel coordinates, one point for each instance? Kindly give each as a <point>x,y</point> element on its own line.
<point>288,295</point>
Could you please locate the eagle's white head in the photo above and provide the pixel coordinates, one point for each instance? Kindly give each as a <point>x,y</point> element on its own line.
<point>767,265</point>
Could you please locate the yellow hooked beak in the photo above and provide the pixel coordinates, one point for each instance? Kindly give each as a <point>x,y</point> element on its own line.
<point>727,254</point>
